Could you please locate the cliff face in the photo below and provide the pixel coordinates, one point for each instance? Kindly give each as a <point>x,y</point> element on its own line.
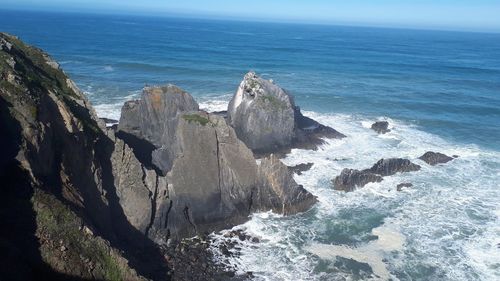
<point>57,183</point>
<point>83,201</point>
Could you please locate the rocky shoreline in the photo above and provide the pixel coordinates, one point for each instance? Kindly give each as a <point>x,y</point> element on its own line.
<point>137,198</point>
<point>166,172</point>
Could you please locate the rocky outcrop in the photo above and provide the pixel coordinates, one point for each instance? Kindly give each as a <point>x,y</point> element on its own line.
<point>266,119</point>
<point>435,158</point>
<point>278,190</point>
<point>350,179</point>
<point>212,180</point>
<point>381,127</point>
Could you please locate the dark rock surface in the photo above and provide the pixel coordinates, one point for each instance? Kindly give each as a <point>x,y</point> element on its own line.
<point>60,214</point>
<point>404,185</point>
<point>350,179</point>
<point>266,119</point>
<point>300,168</point>
<point>435,158</point>
<point>381,127</point>
<point>278,190</point>
<point>391,166</point>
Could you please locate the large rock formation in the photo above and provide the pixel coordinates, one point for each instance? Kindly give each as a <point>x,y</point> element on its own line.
<point>350,179</point>
<point>266,119</point>
<point>434,158</point>
<point>212,180</point>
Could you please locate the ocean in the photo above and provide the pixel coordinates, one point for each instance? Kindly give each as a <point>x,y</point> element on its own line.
<point>439,90</point>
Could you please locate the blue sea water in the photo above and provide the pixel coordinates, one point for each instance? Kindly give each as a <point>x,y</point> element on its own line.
<point>439,90</point>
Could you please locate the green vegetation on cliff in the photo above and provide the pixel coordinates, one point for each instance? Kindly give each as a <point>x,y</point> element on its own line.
<point>70,246</point>
<point>196,118</point>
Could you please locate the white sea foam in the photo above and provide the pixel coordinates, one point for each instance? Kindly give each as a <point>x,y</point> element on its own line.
<point>112,110</point>
<point>446,227</point>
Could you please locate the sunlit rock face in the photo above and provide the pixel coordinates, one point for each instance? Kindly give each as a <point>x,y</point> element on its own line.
<point>262,114</point>
<point>267,120</point>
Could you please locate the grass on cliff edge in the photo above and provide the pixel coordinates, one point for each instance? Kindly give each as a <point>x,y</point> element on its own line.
<point>195,118</point>
<point>56,225</point>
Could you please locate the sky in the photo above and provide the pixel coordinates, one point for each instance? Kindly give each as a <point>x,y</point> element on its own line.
<point>478,15</point>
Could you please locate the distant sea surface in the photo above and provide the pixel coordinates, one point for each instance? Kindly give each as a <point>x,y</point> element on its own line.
<point>439,90</point>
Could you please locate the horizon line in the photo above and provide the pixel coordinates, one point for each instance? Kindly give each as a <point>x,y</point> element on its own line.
<point>213,17</point>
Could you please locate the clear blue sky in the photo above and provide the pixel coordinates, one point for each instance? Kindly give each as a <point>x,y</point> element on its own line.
<point>436,14</point>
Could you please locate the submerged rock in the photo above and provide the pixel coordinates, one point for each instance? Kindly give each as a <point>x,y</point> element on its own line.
<point>391,166</point>
<point>300,168</point>
<point>434,158</point>
<point>403,185</point>
<point>381,127</point>
<point>350,179</point>
<point>266,119</point>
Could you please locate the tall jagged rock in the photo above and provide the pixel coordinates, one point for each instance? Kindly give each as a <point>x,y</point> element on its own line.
<point>153,118</point>
<point>266,119</point>
<point>213,181</point>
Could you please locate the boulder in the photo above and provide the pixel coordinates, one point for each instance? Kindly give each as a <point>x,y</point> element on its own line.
<point>391,166</point>
<point>350,179</point>
<point>434,158</point>
<point>266,119</point>
<point>381,127</point>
